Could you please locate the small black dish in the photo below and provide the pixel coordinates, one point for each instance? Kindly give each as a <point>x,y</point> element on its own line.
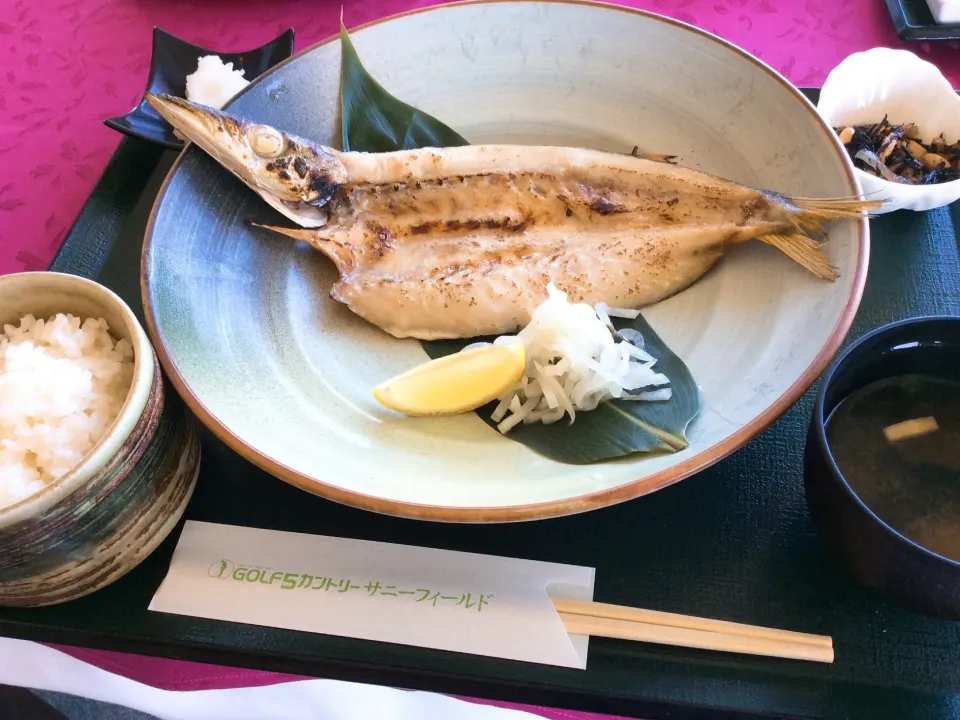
<point>171,61</point>
<point>880,557</point>
<point>914,22</point>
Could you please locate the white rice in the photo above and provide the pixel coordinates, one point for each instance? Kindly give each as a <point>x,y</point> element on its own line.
<point>214,83</point>
<point>62,384</point>
<point>574,362</point>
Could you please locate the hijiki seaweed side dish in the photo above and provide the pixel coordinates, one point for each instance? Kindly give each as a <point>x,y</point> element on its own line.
<point>896,153</point>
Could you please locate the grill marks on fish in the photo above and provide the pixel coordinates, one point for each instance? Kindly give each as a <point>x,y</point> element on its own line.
<point>462,241</point>
<point>483,208</point>
<point>472,254</point>
<point>491,289</point>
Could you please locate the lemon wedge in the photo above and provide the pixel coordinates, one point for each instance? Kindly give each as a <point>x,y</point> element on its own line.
<point>455,383</point>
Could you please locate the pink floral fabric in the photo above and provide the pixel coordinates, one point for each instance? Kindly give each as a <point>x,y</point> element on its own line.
<point>65,65</point>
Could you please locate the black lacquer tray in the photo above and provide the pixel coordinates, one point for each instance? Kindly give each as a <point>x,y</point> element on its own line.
<point>734,542</point>
<point>913,21</point>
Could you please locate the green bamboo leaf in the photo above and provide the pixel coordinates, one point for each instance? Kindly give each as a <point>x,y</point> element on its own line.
<point>615,428</point>
<point>372,120</point>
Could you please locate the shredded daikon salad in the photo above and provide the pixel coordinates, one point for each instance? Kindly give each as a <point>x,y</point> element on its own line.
<point>575,360</point>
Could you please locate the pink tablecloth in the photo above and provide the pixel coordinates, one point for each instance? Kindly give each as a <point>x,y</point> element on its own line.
<point>67,64</point>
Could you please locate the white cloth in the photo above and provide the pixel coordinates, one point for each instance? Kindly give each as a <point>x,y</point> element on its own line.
<point>30,665</point>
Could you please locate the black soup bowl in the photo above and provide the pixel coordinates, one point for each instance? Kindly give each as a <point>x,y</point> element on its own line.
<point>882,463</point>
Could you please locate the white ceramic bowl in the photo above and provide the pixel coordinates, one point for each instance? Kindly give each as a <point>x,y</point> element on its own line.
<point>896,83</point>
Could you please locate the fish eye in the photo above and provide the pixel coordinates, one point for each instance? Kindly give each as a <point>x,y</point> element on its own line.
<point>267,142</point>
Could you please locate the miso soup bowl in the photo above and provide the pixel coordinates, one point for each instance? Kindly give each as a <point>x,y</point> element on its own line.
<point>101,519</point>
<point>880,558</point>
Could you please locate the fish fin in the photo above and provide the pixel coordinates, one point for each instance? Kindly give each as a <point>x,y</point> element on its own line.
<point>653,157</point>
<point>318,240</point>
<point>307,235</point>
<point>804,251</point>
<point>816,210</point>
<point>304,215</point>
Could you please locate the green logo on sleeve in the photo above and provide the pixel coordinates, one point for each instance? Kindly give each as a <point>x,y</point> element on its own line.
<point>227,570</point>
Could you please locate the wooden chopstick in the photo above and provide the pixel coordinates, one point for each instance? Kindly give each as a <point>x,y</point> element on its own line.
<point>615,621</point>
<point>656,617</point>
<point>665,635</point>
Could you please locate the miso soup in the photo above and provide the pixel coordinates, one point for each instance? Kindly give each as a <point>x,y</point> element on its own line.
<point>897,443</point>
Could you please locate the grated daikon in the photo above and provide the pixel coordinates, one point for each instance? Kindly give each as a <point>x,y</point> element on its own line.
<point>575,361</point>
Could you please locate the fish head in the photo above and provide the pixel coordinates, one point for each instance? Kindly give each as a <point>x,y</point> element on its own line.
<point>276,164</point>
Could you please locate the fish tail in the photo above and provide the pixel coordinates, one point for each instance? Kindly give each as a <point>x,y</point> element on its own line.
<point>813,211</point>
<point>804,251</point>
<point>807,216</point>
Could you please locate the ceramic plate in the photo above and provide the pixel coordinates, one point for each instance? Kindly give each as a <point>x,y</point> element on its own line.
<point>283,374</point>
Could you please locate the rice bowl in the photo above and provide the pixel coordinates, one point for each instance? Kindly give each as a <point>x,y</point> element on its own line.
<point>96,518</point>
<point>62,384</point>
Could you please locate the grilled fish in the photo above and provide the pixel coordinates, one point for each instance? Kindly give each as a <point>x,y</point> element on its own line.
<point>463,241</point>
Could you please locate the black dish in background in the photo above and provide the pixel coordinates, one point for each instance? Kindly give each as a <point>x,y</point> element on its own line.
<point>913,21</point>
<point>880,558</point>
<point>172,59</point>
<point>734,542</point>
